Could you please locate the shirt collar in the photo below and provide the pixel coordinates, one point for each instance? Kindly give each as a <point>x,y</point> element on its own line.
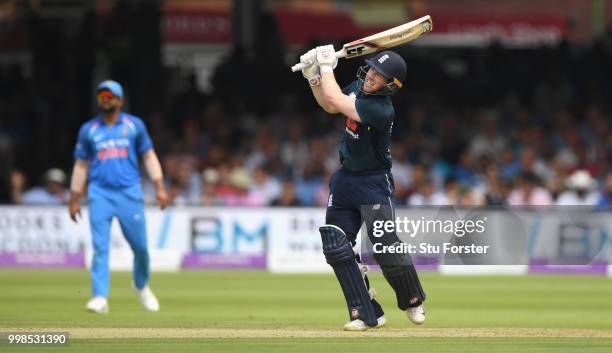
<point>100,120</point>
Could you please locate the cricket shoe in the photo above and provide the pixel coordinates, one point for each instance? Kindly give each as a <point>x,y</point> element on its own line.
<point>382,321</point>
<point>147,299</point>
<point>97,304</point>
<point>416,314</point>
<point>359,325</point>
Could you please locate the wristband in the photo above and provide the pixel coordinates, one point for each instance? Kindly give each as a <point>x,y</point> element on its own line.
<point>326,68</point>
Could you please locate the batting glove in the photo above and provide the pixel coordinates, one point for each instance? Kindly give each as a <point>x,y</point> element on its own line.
<point>311,71</point>
<point>326,58</point>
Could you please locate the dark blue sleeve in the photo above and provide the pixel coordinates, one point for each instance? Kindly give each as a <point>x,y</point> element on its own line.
<point>143,140</point>
<point>375,112</point>
<point>82,150</point>
<point>350,87</point>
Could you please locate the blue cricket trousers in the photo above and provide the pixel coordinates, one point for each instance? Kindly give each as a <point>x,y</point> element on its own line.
<point>127,205</point>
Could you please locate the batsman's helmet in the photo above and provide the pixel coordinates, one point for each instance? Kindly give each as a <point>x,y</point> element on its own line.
<point>391,66</point>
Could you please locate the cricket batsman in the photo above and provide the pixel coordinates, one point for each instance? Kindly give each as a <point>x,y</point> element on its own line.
<point>106,157</point>
<point>364,180</point>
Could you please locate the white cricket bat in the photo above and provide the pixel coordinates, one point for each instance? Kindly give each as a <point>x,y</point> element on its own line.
<point>383,40</point>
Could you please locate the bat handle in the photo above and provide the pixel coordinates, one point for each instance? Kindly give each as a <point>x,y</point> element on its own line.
<point>300,66</point>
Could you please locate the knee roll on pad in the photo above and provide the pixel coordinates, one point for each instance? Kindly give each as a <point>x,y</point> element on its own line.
<point>399,271</point>
<point>339,254</point>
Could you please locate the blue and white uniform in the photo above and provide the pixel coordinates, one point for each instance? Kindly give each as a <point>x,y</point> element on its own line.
<point>114,190</point>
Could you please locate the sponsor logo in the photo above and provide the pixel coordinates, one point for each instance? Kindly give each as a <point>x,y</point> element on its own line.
<point>402,34</point>
<point>352,124</point>
<point>351,128</point>
<point>354,313</point>
<point>112,153</point>
<point>353,135</point>
<point>330,200</point>
<point>355,51</point>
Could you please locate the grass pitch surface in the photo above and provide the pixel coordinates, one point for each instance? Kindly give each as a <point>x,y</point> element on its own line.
<point>260,312</point>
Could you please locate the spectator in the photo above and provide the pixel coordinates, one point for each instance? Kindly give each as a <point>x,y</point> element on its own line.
<point>307,186</point>
<point>605,197</point>
<point>464,171</point>
<point>288,197</point>
<point>580,190</point>
<point>426,195</point>
<point>529,162</point>
<point>265,186</point>
<point>528,193</point>
<point>495,190</point>
<point>402,171</point>
<point>210,195</point>
<point>15,184</point>
<point>185,187</point>
<point>241,182</point>
<point>54,191</point>
<point>294,151</point>
<point>452,190</point>
<point>322,193</point>
<point>488,142</point>
<point>469,197</point>
<point>509,167</point>
<point>418,175</point>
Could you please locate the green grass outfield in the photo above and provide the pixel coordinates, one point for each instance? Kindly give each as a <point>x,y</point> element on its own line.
<point>251,311</point>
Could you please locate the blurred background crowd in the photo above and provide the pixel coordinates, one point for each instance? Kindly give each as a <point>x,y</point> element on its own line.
<point>486,125</point>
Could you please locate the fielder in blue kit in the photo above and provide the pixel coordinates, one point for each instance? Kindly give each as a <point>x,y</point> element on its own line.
<point>106,154</point>
<point>362,191</point>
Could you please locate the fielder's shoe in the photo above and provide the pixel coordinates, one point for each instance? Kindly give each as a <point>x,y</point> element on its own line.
<point>98,305</point>
<point>358,325</point>
<point>416,314</point>
<point>147,299</point>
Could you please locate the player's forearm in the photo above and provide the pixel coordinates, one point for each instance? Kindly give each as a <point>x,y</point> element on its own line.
<point>153,168</point>
<point>330,90</point>
<point>320,98</point>
<point>336,100</point>
<point>79,178</point>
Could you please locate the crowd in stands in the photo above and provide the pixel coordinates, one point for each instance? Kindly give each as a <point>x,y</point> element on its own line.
<point>284,164</point>
<point>489,126</point>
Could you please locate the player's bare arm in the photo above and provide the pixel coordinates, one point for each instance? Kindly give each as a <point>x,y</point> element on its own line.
<point>154,170</point>
<point>77,187</point>
<point>317,92</point>
<point>336,100</point>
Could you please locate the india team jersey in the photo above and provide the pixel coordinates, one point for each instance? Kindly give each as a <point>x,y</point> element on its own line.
<point>366,145</point>
<point>113,151</point>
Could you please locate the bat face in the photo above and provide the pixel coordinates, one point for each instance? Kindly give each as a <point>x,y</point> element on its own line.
<point>389,38</point>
